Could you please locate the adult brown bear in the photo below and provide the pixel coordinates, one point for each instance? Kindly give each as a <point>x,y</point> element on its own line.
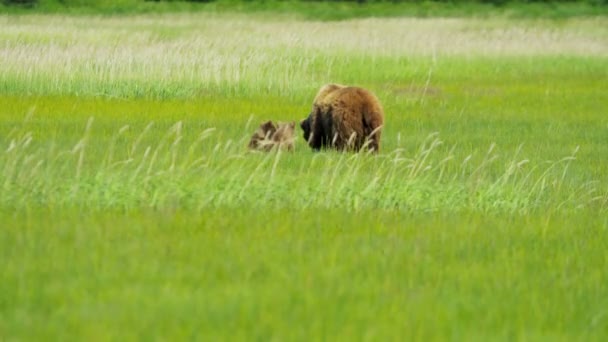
<point>344,118</point>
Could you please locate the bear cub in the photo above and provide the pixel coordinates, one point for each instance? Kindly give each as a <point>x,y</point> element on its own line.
<point>270,136</point>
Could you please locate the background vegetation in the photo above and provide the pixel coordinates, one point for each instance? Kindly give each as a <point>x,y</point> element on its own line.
<point>325,10</point>
<point>131,209</point>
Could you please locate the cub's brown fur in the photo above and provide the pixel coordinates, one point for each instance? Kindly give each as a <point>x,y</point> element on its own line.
<point>260,140</point>
<point>344,118</point>
<point>269,136</point>
<point>285,135</point>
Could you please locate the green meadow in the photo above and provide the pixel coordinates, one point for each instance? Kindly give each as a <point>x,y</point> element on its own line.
<point>130,207</point>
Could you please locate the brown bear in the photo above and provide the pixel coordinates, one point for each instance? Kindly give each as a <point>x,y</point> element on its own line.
<point>345,118</point>
<point>269,136</point>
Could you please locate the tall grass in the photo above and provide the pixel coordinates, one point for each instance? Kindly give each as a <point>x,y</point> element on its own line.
<point>193,55</point>
<point>205,172</point>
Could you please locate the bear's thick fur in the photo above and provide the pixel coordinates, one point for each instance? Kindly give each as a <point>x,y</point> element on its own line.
<point>269,136</point>
<point>345,118</point>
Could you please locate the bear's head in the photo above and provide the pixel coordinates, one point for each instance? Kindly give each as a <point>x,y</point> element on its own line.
<point>305,125</point>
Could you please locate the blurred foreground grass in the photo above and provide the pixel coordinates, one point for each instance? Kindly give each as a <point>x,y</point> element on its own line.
<point>301,274</point>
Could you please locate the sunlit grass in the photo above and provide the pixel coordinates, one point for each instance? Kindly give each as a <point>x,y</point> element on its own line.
<point>130,207</point>
<point>189,55</point>
<point>290,274</point>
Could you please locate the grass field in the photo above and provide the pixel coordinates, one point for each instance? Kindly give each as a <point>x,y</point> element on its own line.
<point>131,209</point>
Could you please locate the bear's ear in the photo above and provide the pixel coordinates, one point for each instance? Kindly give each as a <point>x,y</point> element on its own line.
<point>268,126</point>
<point>292,124</point>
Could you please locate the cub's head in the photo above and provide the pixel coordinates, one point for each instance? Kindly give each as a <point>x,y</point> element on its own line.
<point>267,127</point>
<point>261,137</point>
